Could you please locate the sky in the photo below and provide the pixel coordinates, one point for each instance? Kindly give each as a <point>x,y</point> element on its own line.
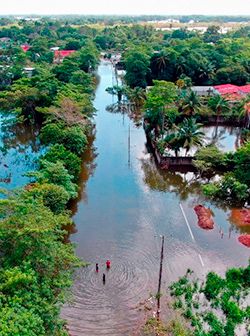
<point>130,7</point>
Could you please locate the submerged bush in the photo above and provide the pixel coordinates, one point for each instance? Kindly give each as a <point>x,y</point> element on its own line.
<point>228,188</point>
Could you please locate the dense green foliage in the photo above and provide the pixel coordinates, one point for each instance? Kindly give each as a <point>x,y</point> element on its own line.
<point>36,265</point>
<point>234,185</point>
<point>215,306</point>
<point>70,160</point>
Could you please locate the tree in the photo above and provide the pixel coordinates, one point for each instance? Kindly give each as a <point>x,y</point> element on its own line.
<point>88,57</point>
<point>241,109</point>
<point>36,267</point>
<point>70,160</point>
<point>219,105</point>
<point>64,70</point>
<point>160,99</point>
<point>191,103</point>
<point>137,96</point>
<point>212,34</point>
<point>56,173</point>
<point>241,161</point>
<point>190,133</point>
<point>137,68</point>
<point>163,65</point>
<point>235,74</point>
<point>209,159</point>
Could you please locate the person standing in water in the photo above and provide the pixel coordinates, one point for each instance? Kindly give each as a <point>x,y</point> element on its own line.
<point>103,278</point>
<point>97,267</point>
<point>108,264</point>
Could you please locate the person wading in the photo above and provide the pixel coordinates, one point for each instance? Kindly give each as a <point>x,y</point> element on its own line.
<point>108,264</point>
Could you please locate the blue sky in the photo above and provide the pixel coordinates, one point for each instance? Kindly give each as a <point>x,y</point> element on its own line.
<point>220,7</point>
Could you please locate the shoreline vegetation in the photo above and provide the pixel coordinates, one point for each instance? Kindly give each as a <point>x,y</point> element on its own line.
<point>36,264</point>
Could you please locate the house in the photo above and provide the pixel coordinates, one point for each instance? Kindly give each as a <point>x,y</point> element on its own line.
<point>245,90</point>
<point>59,55</point>
<point>232,92</point>
<point>203,90</point>
<point>28,71</point>
<point>25,47</point>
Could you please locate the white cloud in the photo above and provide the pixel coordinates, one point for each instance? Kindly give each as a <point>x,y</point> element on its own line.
<point>220,7</point>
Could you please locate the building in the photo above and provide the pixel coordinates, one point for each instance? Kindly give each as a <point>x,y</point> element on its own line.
<point>232,92</point>
<point>203,90</point>
<point>28,72</point>
<point>25,47</point>
<point>59,55</point>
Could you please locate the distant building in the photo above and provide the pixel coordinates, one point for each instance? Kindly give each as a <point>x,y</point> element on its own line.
<point>5,39</point>
<point>28,71</point>
<point>59,55</point>
<point>54,48</point>
<point>25,47</point>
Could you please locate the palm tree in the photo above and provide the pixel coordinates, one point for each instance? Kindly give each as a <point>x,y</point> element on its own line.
<point>174,142</point>
<point>190,134</point>
<point>191,103</point>
<point>218,104</point>
<point>116,90</point>
<point>242,110</point>
<point>137,96</point>
<point>160,62</point>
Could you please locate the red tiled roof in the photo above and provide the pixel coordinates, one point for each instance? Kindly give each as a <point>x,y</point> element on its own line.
<point>25,47</point>
<point>232,96</point>
<point>245,88</point>
<point>226,88</point>
<point>63,53</point>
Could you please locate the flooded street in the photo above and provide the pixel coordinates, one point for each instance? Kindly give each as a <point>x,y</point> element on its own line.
<point>20,149</point>
<point>125,204</point>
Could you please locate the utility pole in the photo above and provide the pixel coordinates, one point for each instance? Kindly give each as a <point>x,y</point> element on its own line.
<point>160,276</point>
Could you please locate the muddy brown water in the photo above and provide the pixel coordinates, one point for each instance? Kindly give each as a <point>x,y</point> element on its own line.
<point>125,204</point>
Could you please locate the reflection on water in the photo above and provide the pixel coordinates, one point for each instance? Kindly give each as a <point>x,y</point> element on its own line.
<point>125,204</point>
<point>226,138</point>
<point>19,151</point>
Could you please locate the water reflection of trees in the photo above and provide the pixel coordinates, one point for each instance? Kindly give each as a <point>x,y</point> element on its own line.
<point>126,108</point>
<point>181,183</point>
<point>220,134</point>
<point>88,168</point>
<point>19,135</point>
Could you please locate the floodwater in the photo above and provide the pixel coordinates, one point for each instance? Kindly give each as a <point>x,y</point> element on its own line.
<point>125,204</point>
<point>19,151</point>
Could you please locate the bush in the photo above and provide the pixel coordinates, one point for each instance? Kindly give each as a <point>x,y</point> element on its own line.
<point>209,159</point>
<point>213,285</point>
<point>228,188</point>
